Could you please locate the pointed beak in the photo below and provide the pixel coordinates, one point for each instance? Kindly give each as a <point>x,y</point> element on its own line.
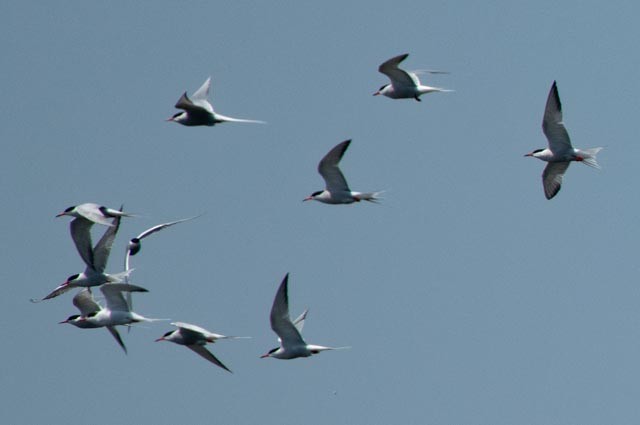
<point>528,154</point>
<point>264,356</point>
<point>169,119</point>
<point>60,215</point>
<point>377,93</point>
<point>308,198</point>
<point>160,339</point>
<point>64,321</point>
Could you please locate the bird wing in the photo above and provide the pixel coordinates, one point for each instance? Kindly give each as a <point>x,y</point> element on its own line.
<point>329,170</point>
<point>552,177</point>
<point>396,75</point>
<point>80,228</point>
<point>299,322</point>
<point>113,331</point>
<point>162,226</point>
<point>92,212</point>
<point>84,301</point>
<point>191,328</point>
<point>552,124</point>
<point>280,320</point>
<point>203,92</point>
<point>203,352</point>
<point>113,295</point>
<point>103,248</point>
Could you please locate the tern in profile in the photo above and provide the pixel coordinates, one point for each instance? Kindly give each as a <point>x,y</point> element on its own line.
<point>84,301</point>
<point>291,343</point>
<point>94,212</point>
<point>560,152</point>
<point>195,338</point>
<point>404,84</point>
<point>198,111</point>
<point>336,188</point>
<point>117,311</point>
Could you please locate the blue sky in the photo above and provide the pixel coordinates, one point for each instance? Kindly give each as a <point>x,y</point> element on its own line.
<point>466,296</point>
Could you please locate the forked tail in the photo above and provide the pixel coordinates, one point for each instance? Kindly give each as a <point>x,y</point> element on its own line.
<point>370,196</point>
<point>589,157</point>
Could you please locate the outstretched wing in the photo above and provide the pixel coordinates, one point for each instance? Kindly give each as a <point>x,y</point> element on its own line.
<point>329,170</point>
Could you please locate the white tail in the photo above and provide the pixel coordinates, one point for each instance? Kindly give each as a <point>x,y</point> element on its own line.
<point>589,157</point>
<point>370,196</point>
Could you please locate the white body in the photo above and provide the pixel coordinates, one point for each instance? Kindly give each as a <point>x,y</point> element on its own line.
<point>560,152</point>
<point>291,343</point>
<point>117,311</point>
<point>336,188</point>
<point>404,84</point>
<point>198,111</point>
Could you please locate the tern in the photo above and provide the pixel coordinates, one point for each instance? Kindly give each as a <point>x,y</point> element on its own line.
<point>291,343</point>
<point>195,338</point>
<point>198,110</point>
<point>93,212</point>
<point>117,311</point>
<point>404,85</point>
<point>560,153</point>
<point>95,259</point>
<point>337,190</point>
<point>84,301</point>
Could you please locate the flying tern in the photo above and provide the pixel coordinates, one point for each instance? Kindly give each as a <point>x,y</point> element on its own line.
<point>195,338</point>
<point>337,190</point>
<point>117,311</point>
<point>291,343</point>
<point>198,111</point>
<point>93,212</point>
<point>95,259</point>
<point>84,301</point>
<point>404,84</point>
<point>560,152</point>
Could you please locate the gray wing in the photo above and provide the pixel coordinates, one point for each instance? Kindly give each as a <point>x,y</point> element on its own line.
<point>203,92</point>
<point>103,247</point>
<point>84,302</point>
<point>552,177</point>
<point>299,322</point>
<point>203,352</point>
<point>396,75</point>
<point>552,124</point>
<point>80,228</point>
<point>329,170</point>
<point>280,320</point>
<point>113,331</point>
<point>197,109</point>
<point>113,295</point>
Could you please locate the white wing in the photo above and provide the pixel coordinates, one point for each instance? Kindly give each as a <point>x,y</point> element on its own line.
<point>200,97</point>
<point>552,124</point>
<point>396,75</point>
<point>93,213</point>
<point>552,177</point>
<point>299,322</point>
<point>329,170</point>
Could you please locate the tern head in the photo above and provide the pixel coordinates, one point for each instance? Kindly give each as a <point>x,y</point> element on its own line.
<point>72,278</point>
<point>134,246</point>
<point>70,319</point>
<point>68,211</point>
<point>533,153</point>
<point>313,196</point>
<point>165,337</point>
<point>381,90</point>
<point>269,354</point>
<point>178,117</point>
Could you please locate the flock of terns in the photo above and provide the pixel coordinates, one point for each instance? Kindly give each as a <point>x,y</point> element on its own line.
<point>198,111</point>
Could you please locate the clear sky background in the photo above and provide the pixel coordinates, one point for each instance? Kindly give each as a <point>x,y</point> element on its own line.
<point>466,296</point>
